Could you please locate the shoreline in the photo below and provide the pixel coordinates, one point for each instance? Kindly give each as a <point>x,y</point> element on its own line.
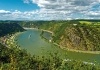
<point>72,50</point>
<point>47,31</point>
<point>9,41</point>
<point>40,29</point>
<point>78,51</point>
<point>30,28</point>
<point>67,49</point>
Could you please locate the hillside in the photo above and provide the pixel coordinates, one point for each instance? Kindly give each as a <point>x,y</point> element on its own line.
<point>78,36</point>
<point>9,28</point>
<point>47,25</point>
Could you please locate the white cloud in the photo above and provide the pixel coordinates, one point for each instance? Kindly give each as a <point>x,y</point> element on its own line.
<point>26,1</point>
<point>35,15</point>
<point>65,4</point>
<point>63,8</point>
<point>93,14</point>
<point>4,11</point>
<point>56,9</point>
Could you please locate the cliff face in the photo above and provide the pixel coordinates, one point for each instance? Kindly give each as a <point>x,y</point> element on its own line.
<point>79,37</point>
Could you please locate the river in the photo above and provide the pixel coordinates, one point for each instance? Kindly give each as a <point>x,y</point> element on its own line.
<point>35,45</point>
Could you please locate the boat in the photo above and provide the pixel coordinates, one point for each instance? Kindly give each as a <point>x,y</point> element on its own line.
<point>29,36</point>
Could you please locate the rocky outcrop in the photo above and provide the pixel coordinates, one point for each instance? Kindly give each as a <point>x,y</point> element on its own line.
<point>79,37</point>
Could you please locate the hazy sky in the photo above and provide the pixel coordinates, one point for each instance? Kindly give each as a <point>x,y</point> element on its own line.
<point>49,9</point>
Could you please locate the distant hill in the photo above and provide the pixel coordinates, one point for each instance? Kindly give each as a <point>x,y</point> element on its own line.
<point>8,28</point>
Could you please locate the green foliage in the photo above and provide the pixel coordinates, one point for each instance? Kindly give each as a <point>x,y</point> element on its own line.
<point>17,59</point>
<point>8,28</point>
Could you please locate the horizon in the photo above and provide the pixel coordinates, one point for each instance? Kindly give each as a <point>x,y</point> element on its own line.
<point>57,20</point>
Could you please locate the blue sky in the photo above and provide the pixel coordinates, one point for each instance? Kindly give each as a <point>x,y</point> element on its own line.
<point>17,5</point>
<point>49,9</point>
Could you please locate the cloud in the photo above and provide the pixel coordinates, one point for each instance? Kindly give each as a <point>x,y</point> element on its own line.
<point>8,15</point>
<point>63,9</point>
<point>93,14</point>
<point>4,12</point>
<point>26,1</point>
<point>34,15</point>
<point>56,9</point>
<point>65,4</point>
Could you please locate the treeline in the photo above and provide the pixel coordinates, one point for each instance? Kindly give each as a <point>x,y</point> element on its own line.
<point>8,28</point>
<point>42,24</point>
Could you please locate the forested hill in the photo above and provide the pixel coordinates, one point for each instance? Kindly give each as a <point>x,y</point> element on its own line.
<point>8,28</point>
<point>49,25</point>
<point>73,34</point>
<point>79,36</point>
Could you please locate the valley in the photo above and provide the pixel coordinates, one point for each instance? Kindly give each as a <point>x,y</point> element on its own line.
<point>67,44</point>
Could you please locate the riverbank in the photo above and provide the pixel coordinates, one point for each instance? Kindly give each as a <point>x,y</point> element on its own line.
<point>79,51</point>
<point>30,28</point>
<point>72,50</point>
<point>47,31</point>
<point>40,29</point>
<point>9,40</point>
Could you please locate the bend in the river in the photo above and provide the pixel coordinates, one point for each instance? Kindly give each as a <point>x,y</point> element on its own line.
<point>35,45</point>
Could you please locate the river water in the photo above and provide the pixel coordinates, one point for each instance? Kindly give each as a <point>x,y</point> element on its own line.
<point>35,45</point>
